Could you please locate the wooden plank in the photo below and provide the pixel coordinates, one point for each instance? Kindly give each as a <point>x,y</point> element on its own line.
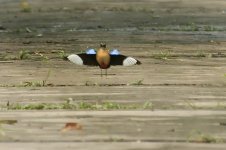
<point>110,126</point>
<point>110,146</point>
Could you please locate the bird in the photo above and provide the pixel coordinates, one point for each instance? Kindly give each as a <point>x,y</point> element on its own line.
<point>103,57</point>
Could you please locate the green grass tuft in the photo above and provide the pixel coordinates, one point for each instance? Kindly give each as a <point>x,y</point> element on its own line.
<point>138,82</point>
<point>63,55</point>
<point>25,6</point>
<point>199,137</point>
<point>162,55</point>
<point>69,105</point>
<point>200,54</point>
<point>24,54</point>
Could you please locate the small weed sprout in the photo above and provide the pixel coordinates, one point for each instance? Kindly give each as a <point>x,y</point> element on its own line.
<point>23,54</point>
<point>43,57</point>
<point>41,83</point>
<point>200,54</point>
<point>190,104</point>
<point>25,6</point>
<point>162,55</point>
<point>2,132</point>
<point>209,28</point>
<point>199,137</point>
<point>90,83</point>
<point>32,84</point>
<point>44,82</point>
<point>148,105</point>
<point>63,55</point>
<point>138,82</point>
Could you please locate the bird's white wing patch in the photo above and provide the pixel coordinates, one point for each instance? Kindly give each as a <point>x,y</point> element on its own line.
<point>75,59</point>
<point>90,51</point>
<point>129,61</point>
<point>114,52</point>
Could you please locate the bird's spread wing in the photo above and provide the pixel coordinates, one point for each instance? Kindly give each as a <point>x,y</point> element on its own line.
<point>123,60</point>
<point>83,59</point>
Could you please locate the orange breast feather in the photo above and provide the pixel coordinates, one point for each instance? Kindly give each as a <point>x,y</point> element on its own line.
<point>103,58</point>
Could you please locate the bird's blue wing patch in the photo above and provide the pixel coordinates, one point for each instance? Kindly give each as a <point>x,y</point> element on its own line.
<point>114,52</point>
<point>90,51</point>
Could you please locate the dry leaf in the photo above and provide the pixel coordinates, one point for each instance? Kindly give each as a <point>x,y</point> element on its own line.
<point>71,126</point>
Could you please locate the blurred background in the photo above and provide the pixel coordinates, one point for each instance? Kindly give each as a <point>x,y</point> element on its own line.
<point>76,24</point>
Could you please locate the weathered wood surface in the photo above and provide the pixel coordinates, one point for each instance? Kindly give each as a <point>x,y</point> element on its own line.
<point>158,128</point>
<point>110,146</point>
<point>180,43</point>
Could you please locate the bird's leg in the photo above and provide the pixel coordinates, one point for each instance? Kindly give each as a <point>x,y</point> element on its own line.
<point>101,72</point>
<point>106,73</point>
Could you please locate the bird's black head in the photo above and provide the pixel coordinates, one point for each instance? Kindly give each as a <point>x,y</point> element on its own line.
<point>103,45</point>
